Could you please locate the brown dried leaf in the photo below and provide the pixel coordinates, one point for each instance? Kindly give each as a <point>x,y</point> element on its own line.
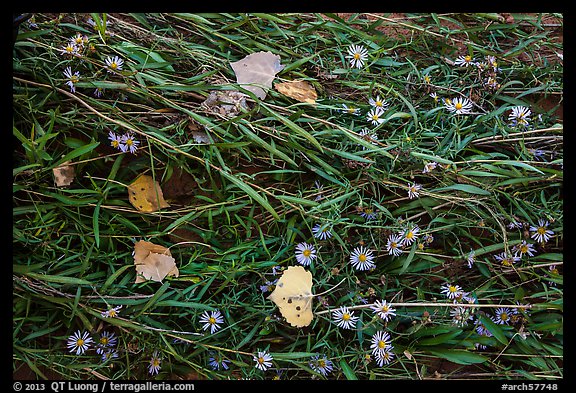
<point>299,90</point>
<point>146,195</point>
<point>153,262</point>
<point>228,103</point>
<point>64,174</point>
<point>256,72</point>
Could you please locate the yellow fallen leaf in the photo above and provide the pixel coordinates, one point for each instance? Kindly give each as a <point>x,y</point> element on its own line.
<point>299,90</point>
<point>153,262</point>
<point>63,174</point>
<point>293,296</point>
<point>146,195</point>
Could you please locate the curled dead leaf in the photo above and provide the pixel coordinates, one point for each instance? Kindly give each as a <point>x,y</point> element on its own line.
<point>153,262</point>
<point>63,174</point>
<point>146,195</point>
<point>228,103</point>
<point>299,90</point>
<point>256,72</point>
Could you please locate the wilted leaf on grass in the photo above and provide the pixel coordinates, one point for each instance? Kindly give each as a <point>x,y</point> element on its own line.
<point>146,195</point>
<point>299,90</point>
<point>228,103</point>
<point>256,72</point>
<point>63,174</point>
<point>153,262</point>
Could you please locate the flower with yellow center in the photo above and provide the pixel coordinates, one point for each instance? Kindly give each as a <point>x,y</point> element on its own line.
<point>305,253</point>
<point>263,360</point>
<point>380,342</point>
<point>452,291</point>
<point>357,55</point>
<point>211,321</point>
<point>374,116</point>
<point>541,233</point>
<point>362,259</point>
<point>459,105</point>
<point>114,63</point>
<point>344,318</point>
<point>79,342</point>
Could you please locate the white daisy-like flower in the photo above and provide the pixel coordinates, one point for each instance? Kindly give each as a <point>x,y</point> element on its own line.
<point>429,167</point>
<point>369,136</point>
<point>108,354</point>
<point>115,140</point>
<point>263,360</point>
<point>378,103</point>
<point>426,78</point>
<point>524,248</point>
<point>541,233</point>
<point>434,96</point>
<point>114,63</point>
<point>98,92</point>
<point>78,40</point>
<point>452,291</point>
<point>375,116</point>
<point>514,225</point>
<point>154,365</point>
<point>394,244</point>
<point>305,253</point>
<point>344,318</point>
<point>471,258</point>
<point>321,365</point>
<point>211,320</point>
<point>128,143</point>
<point>362,259</point>
<point>554,271</point>
<point>111,312</point>
<point>413,190</point>
<point>350,110</point>
<point>492,62</point>
<point>380,342</point>
<point>506,259</point>
<point>469,298</point>
<point>321,232</point>
<point>383,310</point>
<point>79,342</point>
<point>357,55</point>
<point>502,316</point>
<point>464,61</point>
<point>218,362</point>
<point>70,49</point>
<point>368,213</point>
<point>73,78</point>
<point>107,340</point>
<point>460,316</point>
<point>520,116</point>
<point>268,286</point>
<point>384,357</point>
<point>410,235</point>
<point>491,82</point>
<point>459,105</point>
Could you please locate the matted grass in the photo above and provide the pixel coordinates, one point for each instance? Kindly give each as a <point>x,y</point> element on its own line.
<point>245,189</point>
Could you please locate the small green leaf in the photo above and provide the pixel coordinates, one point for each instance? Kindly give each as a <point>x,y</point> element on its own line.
<point>459,356</point>
<point>494,329</point>
<point>347,370</point>
<point>465,188</point>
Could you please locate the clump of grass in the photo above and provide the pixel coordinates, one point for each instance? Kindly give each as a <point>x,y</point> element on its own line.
<point>453,158</point>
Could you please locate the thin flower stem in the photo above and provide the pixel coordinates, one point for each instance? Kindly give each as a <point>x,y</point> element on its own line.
<point>495,137</point>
